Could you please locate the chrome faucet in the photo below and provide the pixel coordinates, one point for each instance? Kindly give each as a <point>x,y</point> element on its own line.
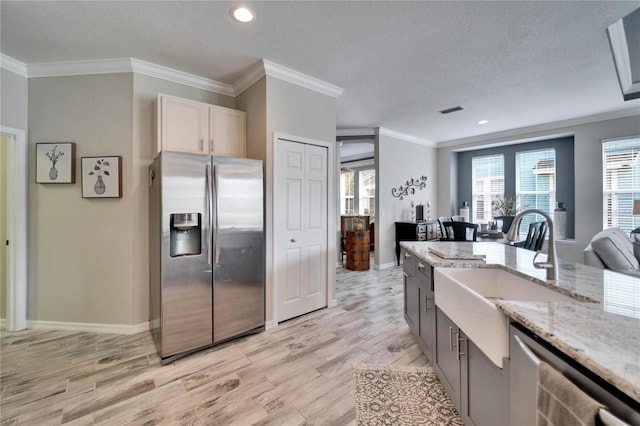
<point>551,265</point>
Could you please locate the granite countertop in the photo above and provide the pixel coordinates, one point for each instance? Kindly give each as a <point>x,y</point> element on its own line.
<point>601,330</point>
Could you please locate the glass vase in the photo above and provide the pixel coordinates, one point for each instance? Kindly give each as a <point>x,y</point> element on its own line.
<point>99,187</point>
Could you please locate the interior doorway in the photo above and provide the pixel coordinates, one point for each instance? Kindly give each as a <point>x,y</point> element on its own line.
<point>13,220</point>
<point>357,186</point>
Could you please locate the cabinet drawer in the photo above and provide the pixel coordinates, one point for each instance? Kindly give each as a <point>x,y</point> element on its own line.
<point>424,271</point>
<point>409,263</point>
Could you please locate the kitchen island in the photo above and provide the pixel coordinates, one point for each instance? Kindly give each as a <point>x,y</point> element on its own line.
<point>599,331</point>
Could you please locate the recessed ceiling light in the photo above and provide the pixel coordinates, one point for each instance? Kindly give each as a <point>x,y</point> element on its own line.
<point>242,14</point>
<point>483,121</point>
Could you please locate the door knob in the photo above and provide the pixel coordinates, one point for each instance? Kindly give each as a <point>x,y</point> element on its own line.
<point>293,240</point>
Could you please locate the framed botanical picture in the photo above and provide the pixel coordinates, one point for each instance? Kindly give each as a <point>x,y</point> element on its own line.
<point>101,177</point>
<point>56,162</point>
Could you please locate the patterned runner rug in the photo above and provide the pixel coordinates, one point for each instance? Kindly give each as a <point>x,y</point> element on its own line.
<point>388,395</point>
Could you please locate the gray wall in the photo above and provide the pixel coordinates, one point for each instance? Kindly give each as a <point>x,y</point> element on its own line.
<point>396,162</point>
<point>588,172</point>
<point>89,257</point>
<point>253,101</point>
<point>564,172</point>
<point>296,111</point>
<point>13,102</point>
<point>81,250</point>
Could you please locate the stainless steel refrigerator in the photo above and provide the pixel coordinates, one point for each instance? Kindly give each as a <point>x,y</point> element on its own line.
<point>206,261</point>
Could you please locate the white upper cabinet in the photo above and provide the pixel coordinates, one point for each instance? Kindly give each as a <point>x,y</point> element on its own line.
<point>227,131</point>
<point>190,126</point>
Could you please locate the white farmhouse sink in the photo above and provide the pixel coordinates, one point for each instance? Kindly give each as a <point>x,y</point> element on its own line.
<point>465,296</point>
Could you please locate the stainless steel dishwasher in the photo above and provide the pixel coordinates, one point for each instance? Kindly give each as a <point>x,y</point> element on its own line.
<point>526,351</point>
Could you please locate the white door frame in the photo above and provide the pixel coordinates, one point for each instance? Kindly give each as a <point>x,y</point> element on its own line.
<point>17,178</point>
<point>331,224</point>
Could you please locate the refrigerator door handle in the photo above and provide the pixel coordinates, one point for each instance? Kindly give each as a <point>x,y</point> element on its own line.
<point>216,243</point>
<point>209,213</point>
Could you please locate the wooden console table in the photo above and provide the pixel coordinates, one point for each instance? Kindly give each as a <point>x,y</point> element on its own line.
<point>357,248</point>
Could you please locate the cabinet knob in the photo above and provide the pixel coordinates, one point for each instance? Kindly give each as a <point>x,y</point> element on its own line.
<point>407,255</point>
<point>293,240</point>
<point>420,265</point>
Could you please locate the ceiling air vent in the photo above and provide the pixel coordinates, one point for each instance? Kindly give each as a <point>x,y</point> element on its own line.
<point>450,110</point>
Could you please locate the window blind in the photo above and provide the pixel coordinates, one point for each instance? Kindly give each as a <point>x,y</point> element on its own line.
<point>621,182</point>
<point>535,183</point>
<point>487,174</point>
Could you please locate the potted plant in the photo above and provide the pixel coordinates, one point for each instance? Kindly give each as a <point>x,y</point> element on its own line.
<point>505,209</point>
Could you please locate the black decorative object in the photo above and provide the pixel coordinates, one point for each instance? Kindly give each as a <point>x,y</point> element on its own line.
<point>410,187</point>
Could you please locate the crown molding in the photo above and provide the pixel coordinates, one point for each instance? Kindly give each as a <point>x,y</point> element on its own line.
<point>523,133</point>
<point>405,137</point>
<point>72,68</point>
<point>255,73</point>
<point>180,77</point>
<point>13,65</point>
<point>113,66</point>
<point>287,74</point>
<point>267,68</point>
<point>123,65</point>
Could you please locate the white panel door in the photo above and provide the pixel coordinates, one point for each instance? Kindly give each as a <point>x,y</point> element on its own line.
<point>300,228</point>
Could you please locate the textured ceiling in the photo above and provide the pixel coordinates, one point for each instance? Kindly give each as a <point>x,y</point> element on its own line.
<point>515,64</point>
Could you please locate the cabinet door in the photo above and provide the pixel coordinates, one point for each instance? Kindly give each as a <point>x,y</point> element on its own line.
<point>446,360</point>
<point>227,133</point>
<point>427,310</point>
<point>411,293</point>
<point>483,388</point>
<point>182,125</point>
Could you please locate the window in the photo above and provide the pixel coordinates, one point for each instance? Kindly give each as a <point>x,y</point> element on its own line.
<point>362,183</point>
<point>347,190</point>
<point>535,184</point>
<point>367,189</point>
<point>487,183</point>
<point>621,182</point>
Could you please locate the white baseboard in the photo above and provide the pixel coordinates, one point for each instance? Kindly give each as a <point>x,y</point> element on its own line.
<point>89,327</point>
<point>3,323</point>
<point>384,266</point>
<point>332,303</point>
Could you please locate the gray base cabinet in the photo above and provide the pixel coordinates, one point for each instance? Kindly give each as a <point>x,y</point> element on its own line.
<point>484,397</point>
<point>427,308</point>
<point>419,305</point>
<point>411,293</point>
<point>476,386</point>
<point>446,362</point>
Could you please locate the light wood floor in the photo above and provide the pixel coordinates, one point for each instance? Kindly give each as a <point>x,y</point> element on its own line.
<point>298,373</point>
